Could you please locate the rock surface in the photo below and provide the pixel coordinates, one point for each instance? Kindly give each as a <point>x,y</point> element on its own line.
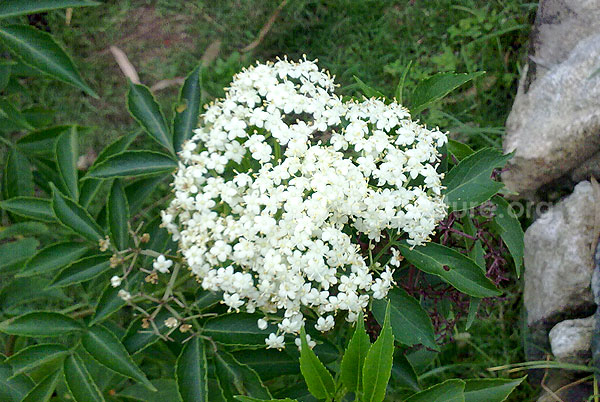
<point>571,340</point>
<point>587,169</point>
<point>555,125</point>
<point>559,261</point>
<point>559,26</point>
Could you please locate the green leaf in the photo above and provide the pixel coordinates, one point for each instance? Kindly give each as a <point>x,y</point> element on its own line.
<point>82,270</point>
<point>118,216</point>
<point>237,329</point>
<point>13,389</point>
<point>367,90</point>
<point>137,338</point>
<point>490,389</point>
<point>354,357</point>
<point>243,398</point>
<point>108,304</point>
<point>453,267</point>
<point>81,385</point>
<point>11,8</point>
<point>34,356</point>
<point>469,183</point>
<point>43,391</point>
<point>53,257</point>
<point>404,374</point>
<point>27,290</point>
<point>73,216</point>
<point>400,88</point>
<point>146,111</point>
<point>138,191</point>
<point>23,229</point>
<point>188,110</point>
<point>133,163</point>
<point>91,187</point>
<point>512,234</point>
<point>66,152</point>
<point>205,299</point>
<point>448,391</point>
<point>235,378</point>
<point>411,325</point>
<point>39,50</point>
<point>9,112</point>
<point>436,87</point>
<point>378,363</point>
<point>190,372</point>
<point>107,350</point>
<point>319,381</point>
<point>268,363</point>
<point>14,254</point>
<point>40,324</point>
<point>5,68</point>
<point>30,207</point>
<point>17,176</point>
<point>459,150</point>
<point>167,392</point>
<point>474,303</point>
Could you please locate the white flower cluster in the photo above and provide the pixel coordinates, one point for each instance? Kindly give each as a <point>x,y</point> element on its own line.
<point>273,188</point>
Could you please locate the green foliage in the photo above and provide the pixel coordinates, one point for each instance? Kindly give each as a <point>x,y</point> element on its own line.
<point>437,87</point>
<point>107,350</point>
<point>135,355</point>
<point>133,163</point>
<point>188,109</point>
<point>318,380</point>
<point>79,381</point>
<point>453,267</point>
<point>11,8</point>
<point>191,372</point>
<point>354,358</point>
<point>378,364</point>
<point>146,111</point>
<point>40,51</point>
<point>469,184</point>
<point>410,323</point>
<point>510,231</point>
<point>41,324</point>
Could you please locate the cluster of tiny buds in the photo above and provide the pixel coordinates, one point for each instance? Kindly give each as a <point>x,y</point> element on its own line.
<point>279,181</point>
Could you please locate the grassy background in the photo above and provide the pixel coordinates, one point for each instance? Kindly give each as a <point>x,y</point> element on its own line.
<point>371,39</point>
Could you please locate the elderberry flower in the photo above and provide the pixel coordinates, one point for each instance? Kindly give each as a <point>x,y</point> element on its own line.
<point>162,265</point>
<point>309,341</point>
<point>280,181</point>
<point>275,341</point>
<point>115,281</point>
<point>325,324</point>
<point>124,295</point>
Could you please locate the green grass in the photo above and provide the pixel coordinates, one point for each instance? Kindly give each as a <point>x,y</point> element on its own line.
<point>372,39</point>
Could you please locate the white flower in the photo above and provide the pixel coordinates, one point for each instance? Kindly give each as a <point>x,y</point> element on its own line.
<point>275,342</point>
<point>279,175</point>
<point>262,324</point>
<point>311,344</point>
<point>115,281</point>
<point>125,295</point>
<point>162,265</point>
<point>396,258</point>
<point>325,324</point>
<point>171,322</point>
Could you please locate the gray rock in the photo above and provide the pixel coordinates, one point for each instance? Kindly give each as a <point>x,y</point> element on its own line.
<point>559,26</point>
<point>571,340</point>
<point>559,262</point>
<point>587,169</point>
<point>555,125</point>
